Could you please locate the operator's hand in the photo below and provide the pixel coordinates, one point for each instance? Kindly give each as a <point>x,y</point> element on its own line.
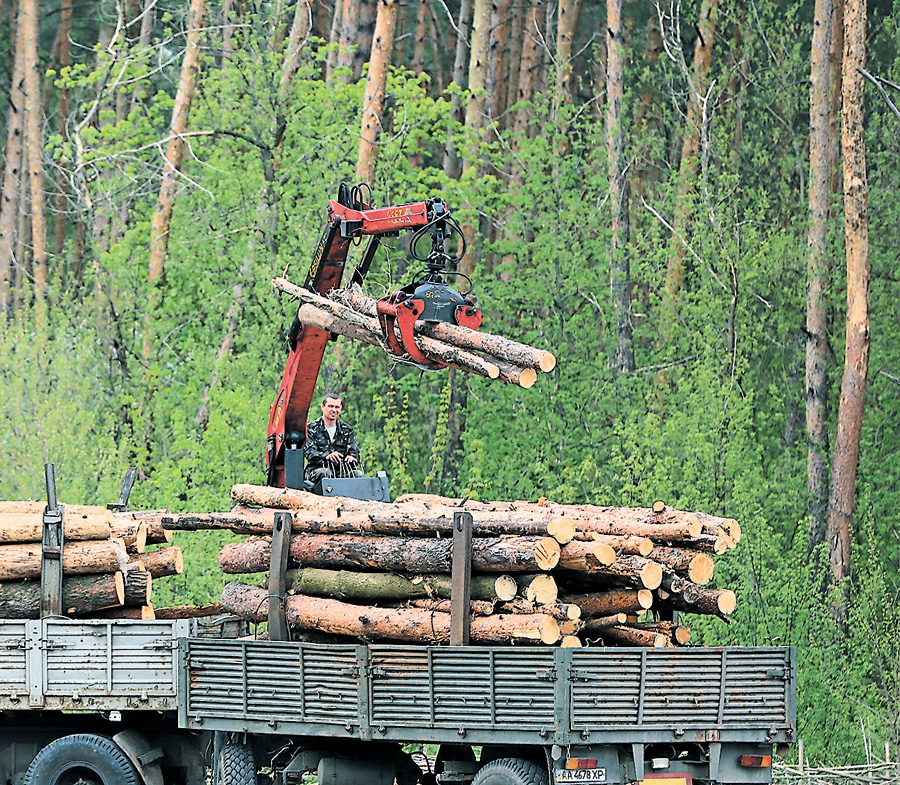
<point>351,459</point>
<point>334,457</point>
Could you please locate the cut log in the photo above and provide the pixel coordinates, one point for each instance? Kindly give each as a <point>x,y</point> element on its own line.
<point>570,627</point>
<point>697,567</point>
<point>629,636</point>
<point>513,352</point>
<point>506,586</point>
<point>375,586</point>
<point>476,607</point>
<point>190,611</point>
<point>561,611</point>
<point>675,633</point>
<point>37,508</point>
<point>634,571</point>
<point>586,556</point>
<point>133,536</point>
<point>142,612</point>
<point>403,624</point>
<point>541,588</point>
<point>157,534</point>
<point>21,561</point>
<point>29,527</point>
<point>625,544</point>
<point>418,555</point>
<point>622,525</point>
<point>162,562</point>
<point>610,602</point>
<point>714,602</point>
<point>598,623</point>
<point>81,594</point>
<point>138,587</point>
<point>570,642</point>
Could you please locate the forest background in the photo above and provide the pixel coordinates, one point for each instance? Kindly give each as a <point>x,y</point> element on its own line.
<point>684,201</point>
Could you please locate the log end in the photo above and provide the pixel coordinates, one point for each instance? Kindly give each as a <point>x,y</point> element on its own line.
<point>546,361</point>
<point>701,569</point>
<point>547,553</point>
<point>645,598</point>
<point>695,529</point>
<point>541,590</point>
<point>505,587</point>
<point>651,575</point>
<point>658,506</point>
<point>549,629</point>
<point>570,642</point>
<point>682,635</point>
<point>527,378</point>
<point>645,546</point>
<point>726,601</point>
<point>603,553</point>
<point>562,530</point>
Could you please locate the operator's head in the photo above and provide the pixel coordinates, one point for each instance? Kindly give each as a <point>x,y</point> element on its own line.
<point>331,408</point>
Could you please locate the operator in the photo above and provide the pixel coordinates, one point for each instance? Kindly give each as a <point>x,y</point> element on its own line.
<point>331,449</point>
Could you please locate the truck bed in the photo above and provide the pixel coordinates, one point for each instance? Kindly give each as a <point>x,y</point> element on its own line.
<point>489,695</point>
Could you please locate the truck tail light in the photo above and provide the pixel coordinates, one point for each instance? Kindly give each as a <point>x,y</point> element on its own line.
<point>581,763</point>
<point>756,761</point>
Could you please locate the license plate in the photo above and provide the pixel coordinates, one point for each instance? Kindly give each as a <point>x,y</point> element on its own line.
<point>580,775</point>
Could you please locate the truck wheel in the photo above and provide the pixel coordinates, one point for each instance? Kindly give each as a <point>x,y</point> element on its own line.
<point>82,759</point>
<point>236,765</point>
<point>510,771</point>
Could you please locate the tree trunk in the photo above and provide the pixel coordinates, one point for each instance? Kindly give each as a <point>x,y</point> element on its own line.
<point>415,555</point>
<point>34,144</point>
<point>404,624</point>
<point>159,231</point>
<point>348,29</point>
<point>29,527</point>
<point>376,83</point>
<point>476,607</point>
<point>527,68</point>
<point>617,166</point>
<point>451,159</point>
<point>634,571</point>
<point>856,359</point>
<point>611,602</point>
<point>586,556</point>
<point>162,562</point>
<point>561,611</point>
<point>598,623</point>
<point>21,561</point>
<point>64,59</point>
<point>714,602</point>
<point>698,567</point>
<point>81,594</point>
<point>631,636</point>
<point>300,30</point>
<point>817,273</point>
<point>630,544</point>
<point>566,20</point>
<point>9,195</point>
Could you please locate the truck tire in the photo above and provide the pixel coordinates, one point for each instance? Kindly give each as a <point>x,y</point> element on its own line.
<point>236,765</point>
<point>82,758</point>
<point>510,771</point>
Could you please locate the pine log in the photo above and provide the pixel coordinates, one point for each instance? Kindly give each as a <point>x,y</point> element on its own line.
<point>598,623</point>
<point>714,602</point>
<point>162,562</point>
<point>81,594</point>
<point>513,352</point>
<point>403,624</point>
<point>634,571</point>
<point>418,555</point>
<point>190,611</point>
<point>709,543</point>
<point>672,630</point>
<point>570,627</point>
<point>374,586</point>
<point>138,587</point>
<point>325,314</point>
<point>476,607</point>
<point>506,586</point>
<point>37,508</point>
<point>540,588</point>
<point>570,642</point>
<point>625,544</point>
<point>630,636</point>
<point>21,561</point>
<point>586,556</point>
<point>157,534</point>
<point>29,527</point>
<point>142,612</point>
<point>133,536</point>
<point>697,567</point>
<point>621,525</point>
<point>610,602</point>
<point>561,611</point>
<point>672,583</point>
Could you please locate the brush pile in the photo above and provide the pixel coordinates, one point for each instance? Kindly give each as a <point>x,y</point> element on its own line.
<point>569,575</point>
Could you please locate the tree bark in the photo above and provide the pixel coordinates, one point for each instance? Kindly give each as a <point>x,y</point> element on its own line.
<point>611,602</point>
<point>856,358</point>
<point>451,159</point>
<point>561,611</point>
<point>586,556</point>
<point>713,602</point>
<point>404,624</point>
<point>162,562</point>
<point>21,561</point>
<point>81,594</point>
<point>598,623</point>
<point>138,587</point>
<point>376,83</point>
<point>29,527</point>
<point>159,231</point>
<point>64,60</point>
<point>299,35</point>
<point>142,613</point>
<point>415,555</point>
<point>698,567</point>
<point>34,144</point>
<point>348,27</point>
<point>625,544</point>
<point>190,611</point>
<point>633,571</point>
<point>631,636</point>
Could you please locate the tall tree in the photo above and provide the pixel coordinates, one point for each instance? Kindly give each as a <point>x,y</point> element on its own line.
<point>64,58</point>
<point>817,271</point>
<point>856,235</point>
<point>9,192</point>
<point>34,145</point>
<point>620,274</point>
<point>376,83</point>
<point>451,159</point>
<point>159,231</point>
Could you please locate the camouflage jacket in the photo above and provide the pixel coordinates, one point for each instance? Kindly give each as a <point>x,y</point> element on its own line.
<point>319,443</point>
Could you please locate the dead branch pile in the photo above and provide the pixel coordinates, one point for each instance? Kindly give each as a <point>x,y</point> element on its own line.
<point>571,575</point>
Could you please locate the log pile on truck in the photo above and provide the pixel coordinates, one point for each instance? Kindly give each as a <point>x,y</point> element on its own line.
<point>569,575</point>
<point>108,571</point>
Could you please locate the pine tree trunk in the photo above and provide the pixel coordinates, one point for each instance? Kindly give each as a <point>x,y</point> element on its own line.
<point>64,58</point>
<point>376,83</point>
<point>856,360</point>
<point>451,159</point>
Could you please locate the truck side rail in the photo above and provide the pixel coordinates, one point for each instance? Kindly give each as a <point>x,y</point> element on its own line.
<point>90,665</point>
<point>489,695</point>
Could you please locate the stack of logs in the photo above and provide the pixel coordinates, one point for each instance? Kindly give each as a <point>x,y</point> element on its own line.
<point>350,313</point>
<point>107,571</point>
<point>542,572</point>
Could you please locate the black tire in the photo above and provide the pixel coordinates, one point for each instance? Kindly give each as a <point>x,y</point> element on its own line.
<point>236,765</point>
<point>511,771</point>
<point>82,758</point>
